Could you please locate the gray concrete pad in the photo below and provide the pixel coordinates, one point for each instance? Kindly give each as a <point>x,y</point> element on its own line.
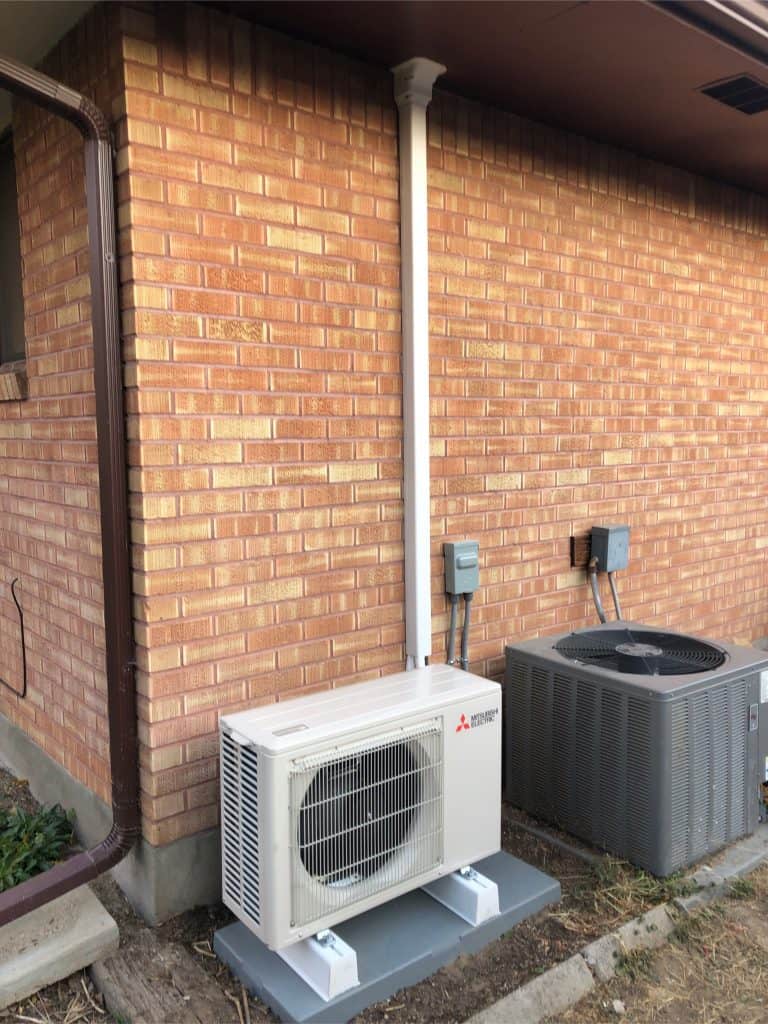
<point>397,944</point>
<point>744,856</point>
<point>738,859</point>
<point>713,880</point>
<point>553,992</point>
<point>690,904</point>
<point>53,942</point>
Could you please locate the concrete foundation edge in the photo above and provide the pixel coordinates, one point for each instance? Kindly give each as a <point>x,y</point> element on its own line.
<point>567,983</point>
<point>159,881</point>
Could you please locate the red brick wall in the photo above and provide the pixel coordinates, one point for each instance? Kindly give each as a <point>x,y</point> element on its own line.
<point>261,279</point>
<point>598,356</point>
<point>49,522</point>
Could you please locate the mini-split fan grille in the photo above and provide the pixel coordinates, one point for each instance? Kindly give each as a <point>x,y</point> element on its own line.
<point>640,652</point>
<point>365,817</point>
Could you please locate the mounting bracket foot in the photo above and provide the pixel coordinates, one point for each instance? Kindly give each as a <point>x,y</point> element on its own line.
<point>325,962</point>
<point>466,892</point>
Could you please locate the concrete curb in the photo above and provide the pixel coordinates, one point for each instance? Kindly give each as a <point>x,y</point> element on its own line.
<point>565,984</point>
<point>648,931</point>
<point>53,942</point>
<point>553,992</point>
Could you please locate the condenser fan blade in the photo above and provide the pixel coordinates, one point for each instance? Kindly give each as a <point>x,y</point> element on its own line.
<point>636,651</point>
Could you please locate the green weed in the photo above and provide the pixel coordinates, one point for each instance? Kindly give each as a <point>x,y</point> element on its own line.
<point>31,842</point>
<point>741,889</point>
<point>635,965</point>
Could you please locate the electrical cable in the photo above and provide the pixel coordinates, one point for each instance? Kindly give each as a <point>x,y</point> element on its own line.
<point>22,693</point>
<point>596,590</point>
<point>615,593</point>
<point>452,630</point>
<point>464,660</point>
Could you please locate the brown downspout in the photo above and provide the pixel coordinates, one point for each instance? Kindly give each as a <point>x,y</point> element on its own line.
<point>113,492</point>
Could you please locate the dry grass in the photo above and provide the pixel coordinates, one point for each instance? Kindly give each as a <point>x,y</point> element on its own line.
<point>614,892</point>
<point>714,971</point>
<point>73,1001</point>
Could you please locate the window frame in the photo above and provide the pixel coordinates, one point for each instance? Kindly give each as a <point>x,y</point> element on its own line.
<point>13,366</point>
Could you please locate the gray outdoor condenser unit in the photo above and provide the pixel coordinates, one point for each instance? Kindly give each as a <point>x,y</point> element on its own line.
<point>641,742</point>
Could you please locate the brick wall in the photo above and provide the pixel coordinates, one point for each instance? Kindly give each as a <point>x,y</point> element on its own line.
<point>598,356</point>
<point>262,319</point>
<point>49,521</point>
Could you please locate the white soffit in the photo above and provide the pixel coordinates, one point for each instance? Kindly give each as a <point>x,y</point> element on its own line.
<point>29,29</point>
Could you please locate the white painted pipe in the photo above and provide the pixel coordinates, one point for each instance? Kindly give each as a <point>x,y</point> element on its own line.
<point>413,91</point>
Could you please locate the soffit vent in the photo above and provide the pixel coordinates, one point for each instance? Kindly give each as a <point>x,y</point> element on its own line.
<point>741,93</point>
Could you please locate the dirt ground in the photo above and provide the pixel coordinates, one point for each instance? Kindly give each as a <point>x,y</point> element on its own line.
<point>15,793</point>
<point>597,896</point>
<point>592,902</point>
<point>715,970</point>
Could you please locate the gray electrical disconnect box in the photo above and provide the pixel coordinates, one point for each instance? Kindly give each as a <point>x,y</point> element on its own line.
<point>610,546</point>
<point>462,566</point>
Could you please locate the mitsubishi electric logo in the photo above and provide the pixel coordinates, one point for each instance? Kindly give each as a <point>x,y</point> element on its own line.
<point>475,721</point>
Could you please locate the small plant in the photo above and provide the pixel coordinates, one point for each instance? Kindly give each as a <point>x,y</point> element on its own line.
<point>626,890</point>
<point>31,842</point>
<point>741,889</point>
<point>688,929</point>
<point>635,965</point>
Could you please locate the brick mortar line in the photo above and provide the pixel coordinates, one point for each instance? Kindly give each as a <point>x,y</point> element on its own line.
<point>567,983</point>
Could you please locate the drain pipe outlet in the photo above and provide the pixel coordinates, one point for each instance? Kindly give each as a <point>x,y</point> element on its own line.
<point>413,91</point>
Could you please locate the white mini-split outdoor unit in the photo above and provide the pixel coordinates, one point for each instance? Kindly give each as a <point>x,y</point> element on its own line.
<point>339,801</point>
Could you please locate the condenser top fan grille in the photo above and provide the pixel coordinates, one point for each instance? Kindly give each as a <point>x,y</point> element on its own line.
<point>641,652</point>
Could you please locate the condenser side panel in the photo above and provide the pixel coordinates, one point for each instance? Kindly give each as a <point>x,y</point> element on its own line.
<point>755,767</point>
<point>517,733</point>
<point>585,814</point>
<point>645,796</point>
<point>713,765</point>
<point>762,747</point>
<point>541,752</point>
<point>612,770</point>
